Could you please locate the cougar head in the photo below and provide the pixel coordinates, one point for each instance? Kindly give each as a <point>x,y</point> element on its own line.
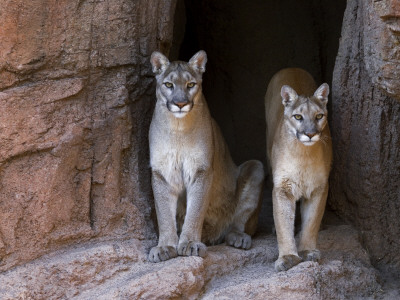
<point>178,83</point>
<point>305,117</point>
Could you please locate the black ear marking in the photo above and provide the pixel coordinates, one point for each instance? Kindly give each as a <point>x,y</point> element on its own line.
<point>198,61</point>
<point>159,62</point>
<point>288,95</point>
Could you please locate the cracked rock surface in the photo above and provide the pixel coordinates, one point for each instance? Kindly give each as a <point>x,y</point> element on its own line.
<point>119,270</point>
<point>76,94</point>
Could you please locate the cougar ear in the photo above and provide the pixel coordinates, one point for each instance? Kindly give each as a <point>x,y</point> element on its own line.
<point>159,62</point>
<point>322,92</point>
<point>198,61</point>
<point>288,95</point>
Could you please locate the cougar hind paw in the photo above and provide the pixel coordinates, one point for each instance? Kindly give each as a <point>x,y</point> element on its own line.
<point>311,255</point>
<point>238,240</point>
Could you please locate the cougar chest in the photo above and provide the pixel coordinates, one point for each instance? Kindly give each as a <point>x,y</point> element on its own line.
<point>311,174</point>
<point>179,156</point>
<point>303,167</point>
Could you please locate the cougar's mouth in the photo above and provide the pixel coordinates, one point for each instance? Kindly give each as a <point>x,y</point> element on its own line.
<point>180,111</point>
<point>180,114</point>
<point>308,140</point>
<point>309,143</point>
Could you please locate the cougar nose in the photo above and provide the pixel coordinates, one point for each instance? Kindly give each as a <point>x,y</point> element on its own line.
<point>180,104</point>
<point>310,134</point>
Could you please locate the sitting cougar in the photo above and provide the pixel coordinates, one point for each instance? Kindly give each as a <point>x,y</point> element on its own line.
<point>199,192</point>
<point>299,151</point>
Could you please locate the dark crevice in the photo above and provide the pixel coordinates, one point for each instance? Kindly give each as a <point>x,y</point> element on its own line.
<point>246,43</point>
<point>91,197</point>
<point>88,101</point>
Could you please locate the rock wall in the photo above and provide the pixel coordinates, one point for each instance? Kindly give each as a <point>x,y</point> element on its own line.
<point>365,122</point>
<point>76,96</point>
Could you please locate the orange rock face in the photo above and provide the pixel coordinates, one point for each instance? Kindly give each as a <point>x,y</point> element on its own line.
<point>74,108</point>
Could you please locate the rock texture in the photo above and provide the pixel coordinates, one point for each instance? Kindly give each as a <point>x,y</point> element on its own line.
<point>365,122</point>
<point>382,52</point>
<point>76,94</point>
<point>118,270</point>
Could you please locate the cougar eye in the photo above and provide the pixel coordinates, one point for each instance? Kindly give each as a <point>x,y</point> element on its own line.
<point>191,84</point>
<point>298,117</point>
<point>168,85</point>
<point>319,116</point>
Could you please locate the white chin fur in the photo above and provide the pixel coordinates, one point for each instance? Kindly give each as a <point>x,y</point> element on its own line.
<point>307,141</point>
<point>179,114</point>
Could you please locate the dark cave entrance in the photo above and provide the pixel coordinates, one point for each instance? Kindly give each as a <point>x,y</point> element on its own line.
<point>246,43</point>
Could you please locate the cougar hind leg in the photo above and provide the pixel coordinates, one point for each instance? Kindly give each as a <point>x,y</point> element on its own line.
<point>249,194</point>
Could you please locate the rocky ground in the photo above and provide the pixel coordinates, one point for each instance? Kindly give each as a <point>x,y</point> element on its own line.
<point>118,269</point>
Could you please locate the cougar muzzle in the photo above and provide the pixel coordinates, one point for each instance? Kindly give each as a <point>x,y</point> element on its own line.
<point>180,106</point>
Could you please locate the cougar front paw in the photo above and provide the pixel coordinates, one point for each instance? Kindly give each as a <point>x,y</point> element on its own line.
<point>161,253</point>
<point>310,255</point>
<point>238,240</point>
<point>192,249</point>
<point>286,262</point>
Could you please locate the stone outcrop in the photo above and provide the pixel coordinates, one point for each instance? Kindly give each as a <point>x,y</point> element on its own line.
<point>365,123</point>
<point>76,93</point>
<point>118,270</point>
<point>381,21</point>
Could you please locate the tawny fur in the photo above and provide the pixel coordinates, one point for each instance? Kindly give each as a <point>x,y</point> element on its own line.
<point>300,172</point>
<point>199,192</point>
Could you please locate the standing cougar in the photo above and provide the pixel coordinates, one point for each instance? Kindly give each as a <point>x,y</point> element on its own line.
<point>299,151</point>
<point>198,190</point>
